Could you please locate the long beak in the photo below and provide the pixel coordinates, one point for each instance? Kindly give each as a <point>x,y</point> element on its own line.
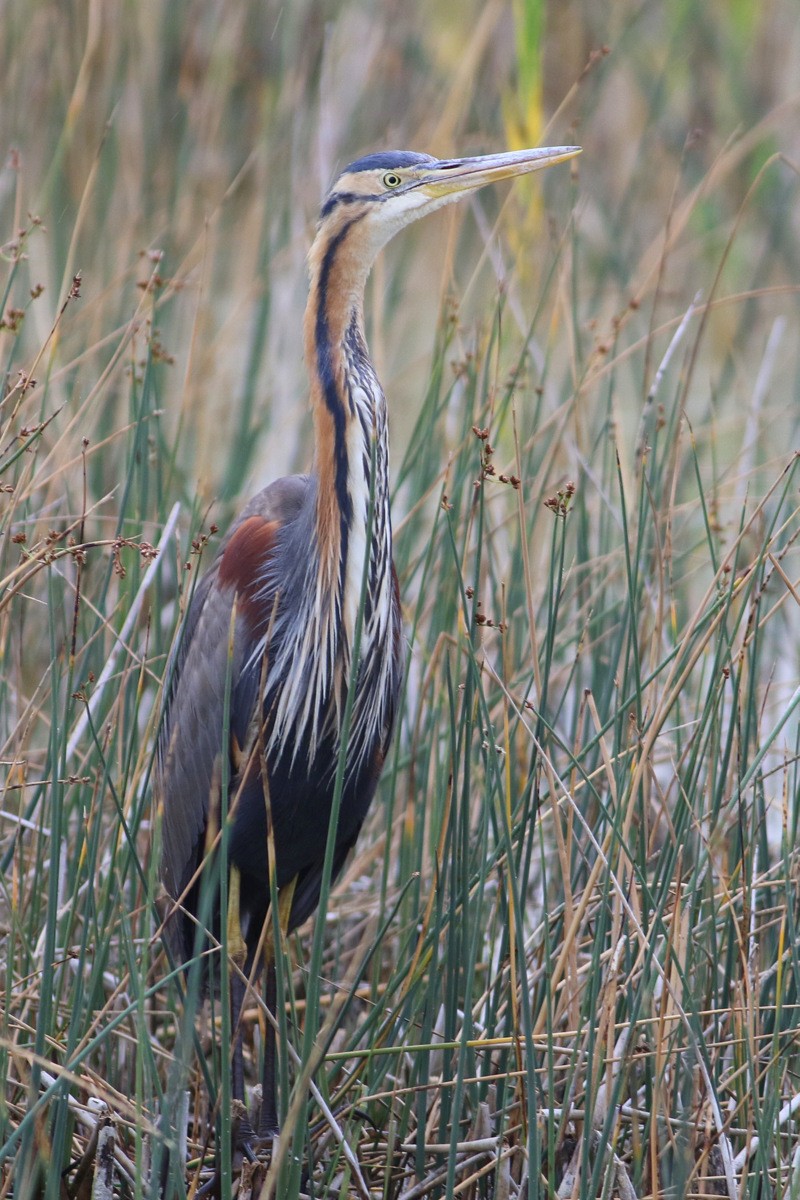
<point>456,175</point>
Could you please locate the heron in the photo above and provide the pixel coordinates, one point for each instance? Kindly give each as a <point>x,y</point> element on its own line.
<point>267,657</point>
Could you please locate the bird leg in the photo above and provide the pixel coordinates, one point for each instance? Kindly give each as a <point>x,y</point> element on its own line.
<point>268,1124</point>
<point>237,953</point>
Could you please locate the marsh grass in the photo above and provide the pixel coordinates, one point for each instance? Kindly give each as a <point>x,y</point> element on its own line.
<point>563,958</point>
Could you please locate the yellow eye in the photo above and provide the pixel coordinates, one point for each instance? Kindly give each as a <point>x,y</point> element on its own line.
<point>391,180</point>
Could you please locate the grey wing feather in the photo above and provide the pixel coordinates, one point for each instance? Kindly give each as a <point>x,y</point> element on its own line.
<point>192,730</point>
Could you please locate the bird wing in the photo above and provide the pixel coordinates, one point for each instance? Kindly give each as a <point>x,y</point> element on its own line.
<point>191,738</point>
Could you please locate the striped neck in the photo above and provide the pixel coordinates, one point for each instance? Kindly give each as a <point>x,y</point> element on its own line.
<point>340,373</point>
<point>349,412</point>
<point>352,475</point>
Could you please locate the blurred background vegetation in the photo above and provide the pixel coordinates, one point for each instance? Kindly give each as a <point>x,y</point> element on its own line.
<point>210,132</point>
<point>161,168</point>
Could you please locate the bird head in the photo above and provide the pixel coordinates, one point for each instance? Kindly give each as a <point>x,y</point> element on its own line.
<point>387,191</point>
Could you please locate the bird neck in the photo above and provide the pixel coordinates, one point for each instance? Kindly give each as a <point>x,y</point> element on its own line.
<point>349,407</point>
<point>350,524</point>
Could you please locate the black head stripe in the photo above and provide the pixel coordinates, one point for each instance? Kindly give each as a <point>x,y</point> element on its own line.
<point>389,160</point>
<point>335,199</point>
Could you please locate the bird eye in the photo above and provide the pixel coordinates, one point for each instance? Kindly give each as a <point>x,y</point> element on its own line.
<point>391,180</point>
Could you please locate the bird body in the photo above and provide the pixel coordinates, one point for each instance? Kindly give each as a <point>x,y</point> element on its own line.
<point>270,633</point>
<point>274,540</point>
